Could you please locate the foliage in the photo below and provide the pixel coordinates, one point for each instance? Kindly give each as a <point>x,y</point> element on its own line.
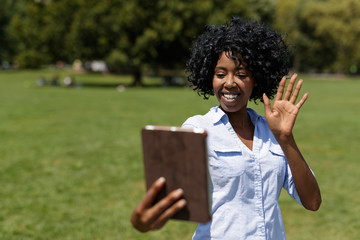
<point>41,27</point>
<point>128,34</point>
<point>31,59</point>
<point>339,21</point>
<point>311,52</point>
<point>324,33</point>
<point>157,34</point>
<point>7,8</point>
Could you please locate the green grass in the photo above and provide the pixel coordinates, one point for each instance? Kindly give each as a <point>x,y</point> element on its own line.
<point>71,163</point>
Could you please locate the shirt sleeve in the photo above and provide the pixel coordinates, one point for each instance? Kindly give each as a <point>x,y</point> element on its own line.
<point>290,186</point>
<point>191,122</point>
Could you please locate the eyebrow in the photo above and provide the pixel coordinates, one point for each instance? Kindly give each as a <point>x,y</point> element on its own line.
<point>237,68</point>
<point>242,68</point>
<point>220,68</point>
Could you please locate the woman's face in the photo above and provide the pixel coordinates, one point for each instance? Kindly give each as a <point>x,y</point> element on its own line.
<point>232,84</point>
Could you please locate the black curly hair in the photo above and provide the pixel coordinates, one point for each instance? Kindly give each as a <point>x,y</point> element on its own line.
<point>261,48</point>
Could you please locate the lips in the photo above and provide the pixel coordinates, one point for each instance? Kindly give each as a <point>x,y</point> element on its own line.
<point>230,96</point>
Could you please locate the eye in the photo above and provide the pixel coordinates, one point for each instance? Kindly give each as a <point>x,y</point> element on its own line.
<point>220,75</point>
<point>241,75</point>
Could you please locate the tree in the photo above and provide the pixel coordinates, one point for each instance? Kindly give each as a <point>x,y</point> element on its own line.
<point>162,36</point>
<point>311,52</point>
<point>130,34</point>
<point>7,8</point>
<point>339,21</point>
<point>39,29</point>
<point>127,34</point>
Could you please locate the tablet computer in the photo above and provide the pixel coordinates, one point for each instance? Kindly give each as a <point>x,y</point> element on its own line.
<point>179,155</point>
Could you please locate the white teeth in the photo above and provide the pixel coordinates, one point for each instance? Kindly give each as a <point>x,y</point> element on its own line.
<point>230,96</point>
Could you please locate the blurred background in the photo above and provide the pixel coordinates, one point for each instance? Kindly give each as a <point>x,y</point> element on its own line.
<point>140,35</point>
<point>79,79</point>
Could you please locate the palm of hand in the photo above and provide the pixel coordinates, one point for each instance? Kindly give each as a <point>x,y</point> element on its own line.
<point>281,117</point>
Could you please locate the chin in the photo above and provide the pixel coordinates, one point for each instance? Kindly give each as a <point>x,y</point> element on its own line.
<point>232,109</point>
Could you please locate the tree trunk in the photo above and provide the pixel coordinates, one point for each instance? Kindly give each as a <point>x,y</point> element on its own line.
<point>136,72</point>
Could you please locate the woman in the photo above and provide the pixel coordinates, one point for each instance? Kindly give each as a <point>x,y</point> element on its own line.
<point>251,158</point>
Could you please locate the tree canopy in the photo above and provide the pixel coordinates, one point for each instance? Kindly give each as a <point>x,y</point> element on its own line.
<point>129,35</point>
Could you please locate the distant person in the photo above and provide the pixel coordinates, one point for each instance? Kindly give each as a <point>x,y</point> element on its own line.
<point>41,82</point>
<point>251,158</point>
<point>55,81</point>
<point>69,82</point>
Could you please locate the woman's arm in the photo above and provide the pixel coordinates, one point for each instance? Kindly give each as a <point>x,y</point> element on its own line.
<point>305,182</point>
<point>281,120</point>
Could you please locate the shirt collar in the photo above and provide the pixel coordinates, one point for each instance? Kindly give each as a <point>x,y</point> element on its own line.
<point>217,114</point>
<point>254,116</point>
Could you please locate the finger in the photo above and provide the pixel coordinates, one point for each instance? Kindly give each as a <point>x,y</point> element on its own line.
<point>280,90</point>
<point>152,192</point>
<point>267,105</point>
<point>296,91</point>
<point>290,87</point>
<point>302,101</point>
<point>176,207</point>
<point>160,207</point>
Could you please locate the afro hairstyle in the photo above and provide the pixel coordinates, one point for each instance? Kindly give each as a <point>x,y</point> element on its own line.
<point>261,48</point>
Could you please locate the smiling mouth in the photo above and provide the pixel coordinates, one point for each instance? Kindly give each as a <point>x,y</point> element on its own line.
<point>230,96</point>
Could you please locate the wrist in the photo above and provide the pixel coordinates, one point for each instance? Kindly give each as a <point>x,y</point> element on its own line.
<point>284,139</point>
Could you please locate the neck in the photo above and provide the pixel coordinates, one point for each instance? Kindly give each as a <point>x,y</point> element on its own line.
<point>243,127</point>
<point>240,119</point>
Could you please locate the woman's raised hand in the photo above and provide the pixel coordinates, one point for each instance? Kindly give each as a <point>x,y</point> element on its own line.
<point>281,117</point>
<point>146,216</point>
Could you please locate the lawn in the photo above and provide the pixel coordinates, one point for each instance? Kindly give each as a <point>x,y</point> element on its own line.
<point>71,162</point>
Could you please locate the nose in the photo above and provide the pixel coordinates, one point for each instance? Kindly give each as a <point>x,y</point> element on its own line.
<point>230,81</point>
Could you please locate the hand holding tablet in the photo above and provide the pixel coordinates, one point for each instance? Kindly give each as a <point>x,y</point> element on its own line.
<point>180,156</point>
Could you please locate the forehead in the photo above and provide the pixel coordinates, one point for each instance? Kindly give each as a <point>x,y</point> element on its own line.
<point>227,59</point>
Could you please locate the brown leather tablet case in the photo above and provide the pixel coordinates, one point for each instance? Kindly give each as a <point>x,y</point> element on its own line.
<point>179,155</point>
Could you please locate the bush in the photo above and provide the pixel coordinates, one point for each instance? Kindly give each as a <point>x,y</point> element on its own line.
<point>31,59</point>
<point>117,61</point>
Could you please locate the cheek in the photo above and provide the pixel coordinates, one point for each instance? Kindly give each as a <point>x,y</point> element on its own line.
<point>250,85</point>
<point>215,84</point>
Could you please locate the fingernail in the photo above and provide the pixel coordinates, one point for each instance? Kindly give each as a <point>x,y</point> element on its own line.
<point>181,203</point>
<point>161,180</point>
<point>179,192</point>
